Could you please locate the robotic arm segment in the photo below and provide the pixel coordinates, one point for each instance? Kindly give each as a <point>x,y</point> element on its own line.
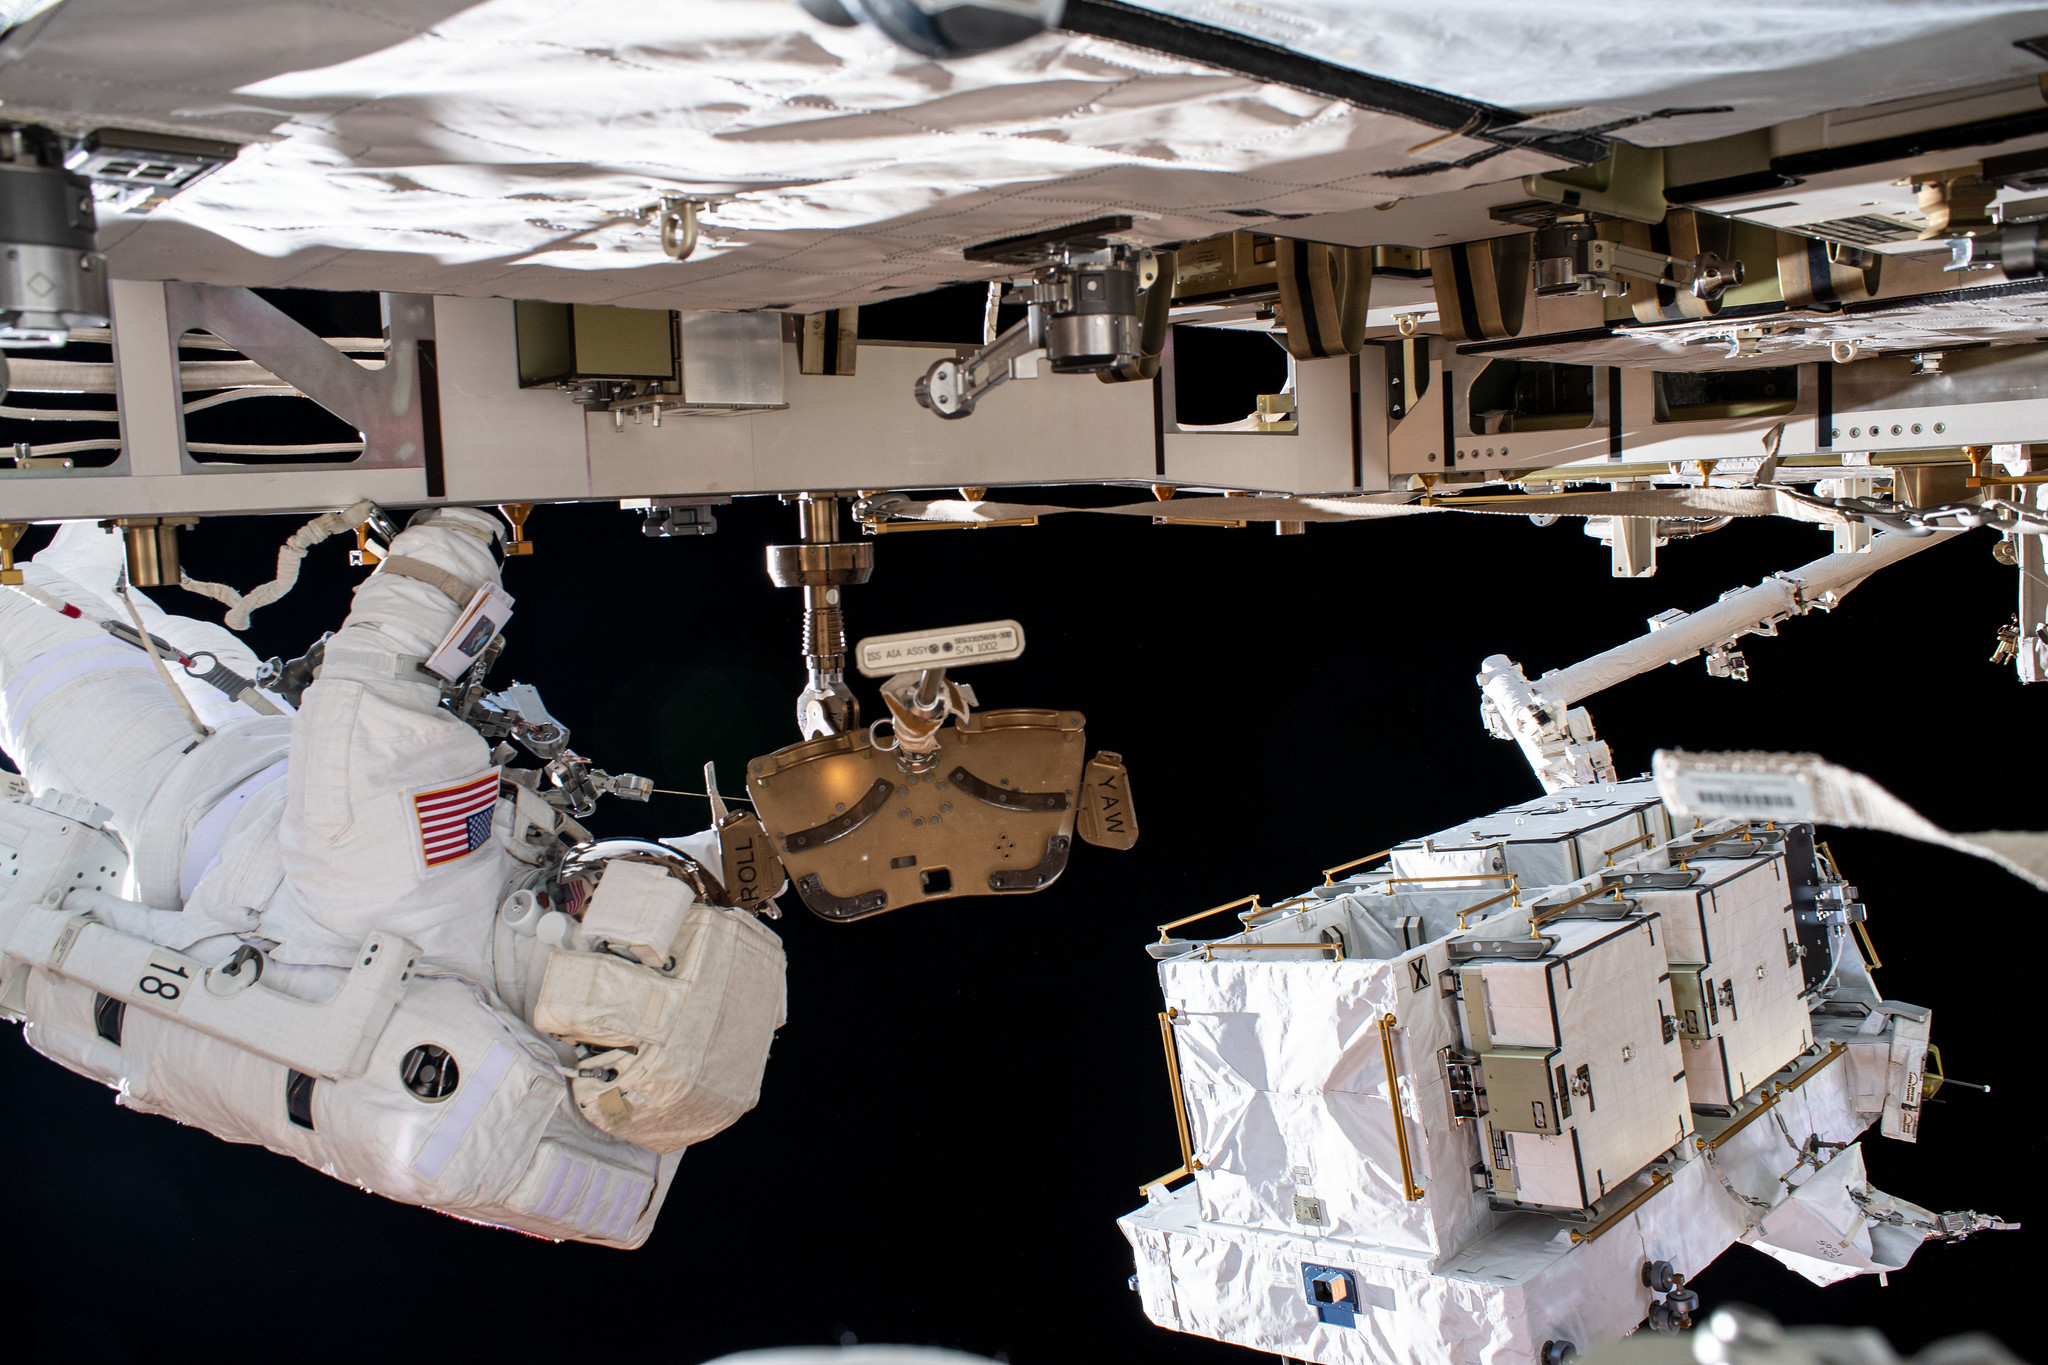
<point>1557,737</point>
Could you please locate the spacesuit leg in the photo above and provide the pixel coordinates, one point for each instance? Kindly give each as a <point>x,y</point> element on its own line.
<point>96,562</point>
<point>81,711</point>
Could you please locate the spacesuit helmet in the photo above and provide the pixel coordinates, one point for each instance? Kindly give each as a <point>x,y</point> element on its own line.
<point>575,879</point>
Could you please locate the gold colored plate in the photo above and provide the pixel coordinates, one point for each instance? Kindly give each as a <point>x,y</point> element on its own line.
<point>747,869</point>
<point>995,815</point>
<point>1107,818</point>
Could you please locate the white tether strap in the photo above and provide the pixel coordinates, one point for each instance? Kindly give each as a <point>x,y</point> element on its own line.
<point>240,604</point>
<point>458,590</point>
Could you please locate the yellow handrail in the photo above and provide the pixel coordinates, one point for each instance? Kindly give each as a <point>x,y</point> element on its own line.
<point>1454,877</point>
<point>1145,1190</point>
<point>1247,916</point>
<point>1180,1106</point>
<point>1211,948</point>
<point>1770,1101</point>
<point>1213,910</point>
<point>1486,904</point>
<point>1408,1184</point>
<point>1657,1184</point>
<point>1722,837</point>
<point>1643,838</point>
<point>1330,873</point>
<point>1541,915</point>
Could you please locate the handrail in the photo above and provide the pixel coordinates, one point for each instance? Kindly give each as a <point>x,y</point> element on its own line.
<point>1145,1190</point>
<point>1658,1184</point>
<point>1408,1184</point>
<point>1485,904</point>
<point>1246,917</point>
<point>1643,838</point>
<point>1770,1101</point>
<point>1454,877</point>
<point>1835,1050</point>
<point>1180,1104</point>
<point>1210,948</point>
<point>1213,910</point>
<point>1538,916</point>
<point>1722,837</point>
<point>1330,873</point>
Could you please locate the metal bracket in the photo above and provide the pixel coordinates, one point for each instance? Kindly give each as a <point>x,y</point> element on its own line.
<point>951,388</point>
<point>388,406</point>
<point>1706,274</point>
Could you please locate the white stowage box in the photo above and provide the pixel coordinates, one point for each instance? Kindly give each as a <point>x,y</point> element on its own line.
<point>1292,1111</point>
<point>1546,841</point>
<point>1732,940</point>
<point>1582,1087</point>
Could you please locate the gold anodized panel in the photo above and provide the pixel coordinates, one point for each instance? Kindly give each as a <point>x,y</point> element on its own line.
<point>994,815</point>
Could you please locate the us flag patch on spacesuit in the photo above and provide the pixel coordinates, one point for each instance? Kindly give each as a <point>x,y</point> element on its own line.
<point>455,822</point>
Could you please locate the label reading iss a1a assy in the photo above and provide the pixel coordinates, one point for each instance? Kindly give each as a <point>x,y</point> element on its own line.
<point>987,643</point>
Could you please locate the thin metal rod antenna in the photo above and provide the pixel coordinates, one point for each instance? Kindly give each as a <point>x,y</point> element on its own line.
<point>676,791</point>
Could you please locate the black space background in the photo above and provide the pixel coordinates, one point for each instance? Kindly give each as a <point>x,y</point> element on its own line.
<point>969,1093</point>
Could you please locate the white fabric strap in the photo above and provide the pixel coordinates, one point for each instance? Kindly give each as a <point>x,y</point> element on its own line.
<point>592,1196</point>
<point>354,664</point>
<point>457,590</point>
<point>202,847</point>
<point>240,604</point>
<point>463,1111</point>
<point>1792,787</point>
<point>439,516</point>
<point>68,662</point>
<point>49,658</point>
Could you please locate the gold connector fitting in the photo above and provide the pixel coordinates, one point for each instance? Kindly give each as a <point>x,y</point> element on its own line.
<point>517,513</point>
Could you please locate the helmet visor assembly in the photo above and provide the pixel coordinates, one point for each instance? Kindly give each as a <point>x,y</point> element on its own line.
<point>572,884</point>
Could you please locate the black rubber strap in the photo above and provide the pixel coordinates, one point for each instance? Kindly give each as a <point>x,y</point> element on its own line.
<point>1305,291</point>
<point>1261,60</point>
<point>1469,320</point>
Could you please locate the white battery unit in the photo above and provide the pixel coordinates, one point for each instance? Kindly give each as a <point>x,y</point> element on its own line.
<point>1545,841</point>
<point>1584,1085</point>
<point>1732,941</point>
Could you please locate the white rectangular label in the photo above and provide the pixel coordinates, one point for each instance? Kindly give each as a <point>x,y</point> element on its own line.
<point>1762,796</point>
<point>986,643</point>
<point>476,627</point>
<point>166,980</point>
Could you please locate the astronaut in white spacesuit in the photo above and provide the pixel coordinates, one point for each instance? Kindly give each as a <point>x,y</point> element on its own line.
<point>352,934</point>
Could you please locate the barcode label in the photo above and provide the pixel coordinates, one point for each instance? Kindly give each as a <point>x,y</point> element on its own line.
<point>1769,796</point>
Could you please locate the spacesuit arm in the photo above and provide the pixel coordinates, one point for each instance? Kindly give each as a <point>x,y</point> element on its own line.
<point>377,764</point>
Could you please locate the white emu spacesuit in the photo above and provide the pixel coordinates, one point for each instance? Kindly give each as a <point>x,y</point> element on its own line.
<point>341,933</point>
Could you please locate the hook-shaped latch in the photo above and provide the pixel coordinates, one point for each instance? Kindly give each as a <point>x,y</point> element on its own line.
<point>678,218</point>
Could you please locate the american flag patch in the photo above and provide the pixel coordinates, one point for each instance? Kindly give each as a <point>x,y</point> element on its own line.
<point>456,821</point>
